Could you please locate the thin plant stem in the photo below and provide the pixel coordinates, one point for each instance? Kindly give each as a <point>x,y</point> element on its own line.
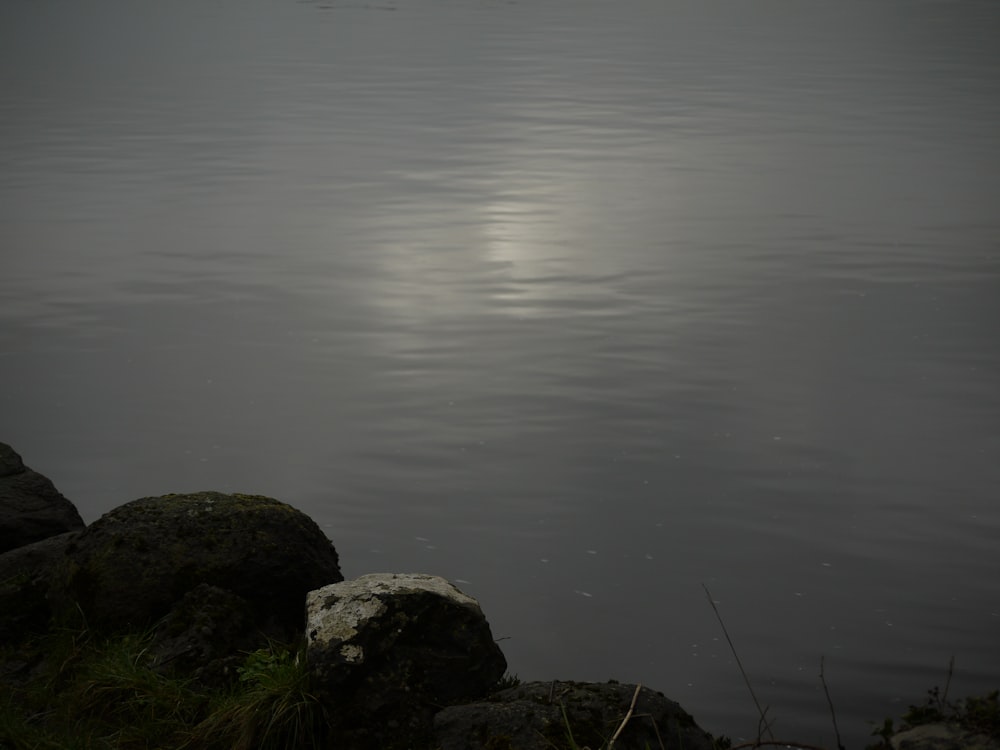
<point>763,721</point>
<point>947,682</point>
<point>829,702</point>
<point>656,730</point>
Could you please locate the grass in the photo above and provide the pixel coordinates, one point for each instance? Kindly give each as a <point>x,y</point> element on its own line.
<point>271,708</point>
<point>78,692</point>
<point>88,693</point>
<point>91,694</point>
<point>978,715</point>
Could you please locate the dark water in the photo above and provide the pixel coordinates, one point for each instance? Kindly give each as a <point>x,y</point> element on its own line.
<point>584,305</point>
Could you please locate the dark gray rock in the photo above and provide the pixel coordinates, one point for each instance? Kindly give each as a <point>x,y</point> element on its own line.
<point>31,508</point>
<point>130,567</point>
<point>206,636</point>
<point>542,716</point>
<point>386,651</point>
<point>10,461</point>
<point>941,737</point>
<point>26,577</point>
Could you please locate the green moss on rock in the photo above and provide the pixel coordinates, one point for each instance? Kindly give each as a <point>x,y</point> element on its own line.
<point>128,568</point>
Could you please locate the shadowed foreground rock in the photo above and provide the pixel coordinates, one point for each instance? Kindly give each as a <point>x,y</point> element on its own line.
<point>387,651</point>
<point>31,508</point>
<point>941,737</point>
<point>26,576</point>
<point>530,717</point>
<point>205,636</point>
<point>130,567</point>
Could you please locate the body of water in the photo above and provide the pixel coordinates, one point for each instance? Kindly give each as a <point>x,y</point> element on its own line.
<point>584,305</point>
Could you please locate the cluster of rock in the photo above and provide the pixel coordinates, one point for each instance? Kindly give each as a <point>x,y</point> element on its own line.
<point>398,660</point>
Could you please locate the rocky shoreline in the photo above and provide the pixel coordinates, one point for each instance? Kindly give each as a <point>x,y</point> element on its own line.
<point>391,660</point>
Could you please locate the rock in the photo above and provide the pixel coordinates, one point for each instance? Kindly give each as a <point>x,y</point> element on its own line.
<point>130,567</point>
<point>530,717</point>
<point>941,737</point>
<point>388,650</point>
<point>205,636</point>
<point>31,508</point>
<point>26,575</point>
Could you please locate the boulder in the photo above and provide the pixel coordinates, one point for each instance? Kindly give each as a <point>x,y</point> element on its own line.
<point>31,508</point>
<point>387,651</point>
<point>205,636</point>
<point>557,715</point>
<point>129,568</point>
<point>942,737</point>
<point>26,575</point>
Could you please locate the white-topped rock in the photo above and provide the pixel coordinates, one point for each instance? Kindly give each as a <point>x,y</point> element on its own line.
<point>389,649</point>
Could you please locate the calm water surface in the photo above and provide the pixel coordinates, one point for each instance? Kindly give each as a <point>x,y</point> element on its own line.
<point>584,305</point>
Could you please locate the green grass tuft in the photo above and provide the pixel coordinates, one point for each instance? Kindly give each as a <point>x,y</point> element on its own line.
<point>77,692</point>
<point>270,708</point>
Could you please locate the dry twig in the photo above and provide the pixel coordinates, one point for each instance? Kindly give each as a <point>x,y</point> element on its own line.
<point>631,708</point>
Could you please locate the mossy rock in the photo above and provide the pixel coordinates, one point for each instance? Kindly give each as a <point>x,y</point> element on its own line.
<point>129,568</point>
<point>566,715</point>
<point>389,649</point>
